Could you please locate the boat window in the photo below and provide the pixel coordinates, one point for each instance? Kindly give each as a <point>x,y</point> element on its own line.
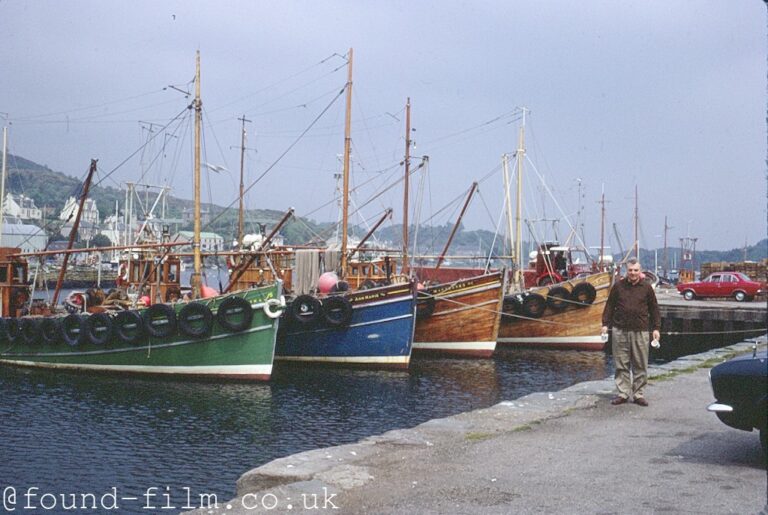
<point>173,272</point>
<point>18,273</point>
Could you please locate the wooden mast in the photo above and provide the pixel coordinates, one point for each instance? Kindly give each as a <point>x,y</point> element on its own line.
<point>441,258</point>
<point>406,183</point>
<point>75,228</point>
<point>520,155</point>
<point>2,180</point>
<point>508,201</point>
<point>347,147</point>
<point>195,280</point>
<point>602,231</point>
<point>637,236</point>
<point>241,212</point>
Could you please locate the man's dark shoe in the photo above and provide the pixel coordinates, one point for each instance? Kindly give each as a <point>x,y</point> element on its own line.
<point>618,400</point>
<point>640,401</point>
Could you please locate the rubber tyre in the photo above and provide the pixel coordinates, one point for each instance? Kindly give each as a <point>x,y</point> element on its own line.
<point>583,294</point>
<point>235,314</point>
<point>558,298</point>
<point>50,330</point>
<point>534,305</point>
<point>337,311</point>
<point>99,328</point>
<point>689,295</point>
<point>3,330</point>
<point>425,306</point>
<point>12,330</point>
<point>195,320</point>
<point>739,296</point>
<point>129,327</point>
<point>30,330</point>
<point>73,330</point>
<point>160,321</point>
<point>305,310</point>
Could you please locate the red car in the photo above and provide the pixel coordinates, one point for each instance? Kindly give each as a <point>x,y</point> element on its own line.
<point>722,284</point>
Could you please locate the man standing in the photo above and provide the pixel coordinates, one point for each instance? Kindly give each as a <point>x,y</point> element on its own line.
<point>631,310</point>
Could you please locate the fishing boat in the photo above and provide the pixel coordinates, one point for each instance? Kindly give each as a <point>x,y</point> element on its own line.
<point>458,316</point>
<point>212,336</point>
<point>335,324</point>
<point>557,300</point>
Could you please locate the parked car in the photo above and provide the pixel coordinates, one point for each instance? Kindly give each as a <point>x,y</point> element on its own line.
<point>722,284</point>
<point>741,390</point>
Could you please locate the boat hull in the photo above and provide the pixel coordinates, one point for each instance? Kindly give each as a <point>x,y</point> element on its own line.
<point>379,333</point>
<point>246,355</point>
<point>575,328</point>
<point>463,317</point>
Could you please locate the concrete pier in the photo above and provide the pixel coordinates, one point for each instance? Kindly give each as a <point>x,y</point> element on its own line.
<point>568,451</point>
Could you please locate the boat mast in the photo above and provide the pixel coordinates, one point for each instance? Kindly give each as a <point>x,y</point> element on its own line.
<point>73,232</point>
<point>406,182</point>
<point>195,281</point>
<point>456,226</point>
<point>347,146</point>
<point>637,238</point>
<point>241,214</point>
<point>2,181</point>
<point>518,254</point>
<point>508,201</point>
<point>602,230</point>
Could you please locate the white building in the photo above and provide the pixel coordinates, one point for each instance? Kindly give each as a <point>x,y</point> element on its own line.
<point>21,206</point>
<point>29,238</point>
<point>209,241</point>
<point>90,212</point>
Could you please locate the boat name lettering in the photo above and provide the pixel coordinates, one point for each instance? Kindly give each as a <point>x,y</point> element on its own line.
<point>454,286</point>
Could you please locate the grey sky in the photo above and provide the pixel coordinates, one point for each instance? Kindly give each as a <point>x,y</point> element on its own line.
<point>668,95</point>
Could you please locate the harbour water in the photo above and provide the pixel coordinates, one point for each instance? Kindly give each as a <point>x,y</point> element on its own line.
<point>159,441</point>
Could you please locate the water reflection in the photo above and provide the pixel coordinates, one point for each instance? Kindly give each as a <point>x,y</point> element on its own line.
<point>67,432</point>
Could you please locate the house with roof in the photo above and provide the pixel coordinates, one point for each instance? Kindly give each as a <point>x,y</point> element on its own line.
<point>209,241</point>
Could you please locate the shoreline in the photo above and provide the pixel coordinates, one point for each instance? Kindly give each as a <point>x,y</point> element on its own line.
<point>441,450</point>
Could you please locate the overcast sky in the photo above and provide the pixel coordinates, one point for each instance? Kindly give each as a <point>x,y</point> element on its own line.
<point>668,96</point>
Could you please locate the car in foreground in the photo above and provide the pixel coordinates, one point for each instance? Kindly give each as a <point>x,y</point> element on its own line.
<point>740,386</point>
<point>722,284</point>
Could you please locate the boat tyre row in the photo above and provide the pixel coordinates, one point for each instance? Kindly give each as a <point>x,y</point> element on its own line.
<point>533,305</point>
<point>160,321</point>
<point>307,311</point>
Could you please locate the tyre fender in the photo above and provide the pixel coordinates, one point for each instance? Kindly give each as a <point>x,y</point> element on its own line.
<point>195,320</point>
<point>305,310</point>
<point>129,327</point>
<point>583,294</point>
<point>557,298</point>
<point>73,329</point>
<point>98,328</point>
<point>337,311</point>
<point>160,320</point>
<point>234,314</point>
<point>534,305</point>
<point>50,330</point>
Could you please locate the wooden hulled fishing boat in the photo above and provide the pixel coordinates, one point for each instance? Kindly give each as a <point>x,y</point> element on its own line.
<point>566,315</point>
<point>460,318</point>
<point>146,329</point>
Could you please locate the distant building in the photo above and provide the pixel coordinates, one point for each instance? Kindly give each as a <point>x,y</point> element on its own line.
<point>27,237</point>
<point>21,206</point>
<point>209,241</point>
<point>90,212</point>
<point>86,231</point>
<point>114,229</point>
